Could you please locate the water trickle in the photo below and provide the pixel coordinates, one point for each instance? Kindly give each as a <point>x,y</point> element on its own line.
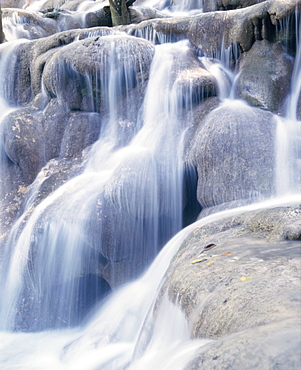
<point>103,227</point>
<point>288,145</point>
<point>116,215</point>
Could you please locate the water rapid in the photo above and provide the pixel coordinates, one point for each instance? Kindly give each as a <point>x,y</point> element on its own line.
<point>82,267</point>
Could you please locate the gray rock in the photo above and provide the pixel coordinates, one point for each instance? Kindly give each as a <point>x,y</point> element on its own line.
<point>77,72</point>
<point>233,151</point>
<point>35,25</point>
<point>273,346</point>
<point>56,118</point>
<point>50,4</point>
<point>24,142</point>
<point>245,292</point>
<point>17,90</point>
<point>139,13</point>
<point>210,31</point>
<point>264,76</point>
<point>67,21</point>
<point>11,3</point>
<point>82,130</point>
<point>211,5</point>
<point>71,4</point>
<point>101,17</point>
<point>197,83</point>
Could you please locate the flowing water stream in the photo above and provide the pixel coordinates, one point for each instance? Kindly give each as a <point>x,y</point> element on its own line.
<point>44,275</point>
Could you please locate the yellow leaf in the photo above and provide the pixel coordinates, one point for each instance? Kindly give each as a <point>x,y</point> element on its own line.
<point>244,278</point>
<point>221,255</point>
<point>200,260</point>
<point>210,263</point>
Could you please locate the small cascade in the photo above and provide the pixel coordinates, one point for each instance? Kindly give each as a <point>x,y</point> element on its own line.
<point>124,207</point>
<point>26,25</point>
<point>82,269</point>
<point>8,101</point>
<point>177,8</point>
<point>127,330</point>
<point>288,145</point>
<point>9,74</point>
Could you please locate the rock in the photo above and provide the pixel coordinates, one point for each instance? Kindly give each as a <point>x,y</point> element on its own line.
<point>211,5</point>
<point>233,151</point>
<point>35,25</point>
<point>197,83</point>
<point>101,17</point>
<point>213,31</point>
<point>24,142</point>
<point>65,20</point>
<point>72,4</point>
<point>50,4</point>
<point>54,174</point>
<point>276,224</point>
<point>275,345</point>
<point>78,73</point>
<point>139,13</point>
<point>17,89</point>
<point>11,3</point>
<point>264,76</point>
<point>56,118</point>
<point>42,50</point>
<point>246,290</point>
<point>82,130</point>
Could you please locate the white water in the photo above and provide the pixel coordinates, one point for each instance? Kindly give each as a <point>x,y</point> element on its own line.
<point>122,332</point>
<point>142,208</point>
<point>288,145</point>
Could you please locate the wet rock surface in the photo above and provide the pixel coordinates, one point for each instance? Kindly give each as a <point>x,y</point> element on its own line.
<point>244,292</point>
<point>231,166</point>
<point>269,64</point>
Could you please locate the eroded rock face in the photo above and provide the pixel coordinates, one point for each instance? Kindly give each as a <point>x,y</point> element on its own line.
<point>34,24</point>
<point>275,345</point>
<point>232,147</point>
<point>63,121</point>
<point>211,5</point>
<point>233,150</point>
<point>24,142</point>
<point>78,73</point>
<point>245,287</point>
<point>209,31</point>
<point>265,76</point>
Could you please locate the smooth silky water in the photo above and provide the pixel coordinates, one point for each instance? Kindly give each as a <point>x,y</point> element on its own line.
<point>120,331</point>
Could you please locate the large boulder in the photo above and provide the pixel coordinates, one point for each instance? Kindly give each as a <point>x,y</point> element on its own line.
<point>101,17</point>
<point>237,279</point>
<point>272,346</point>
<point>264,76</point>
<point>82,130</point>
<point>78,73</point>
<point>233,151</point>
<point>213,30</point>
<point>211,5</point>
<point>56,118</point>
<point>11,3</point>
<point>34,25</point>
<point>43,49</point>
<point>23,137</point>
<point>17,81</point>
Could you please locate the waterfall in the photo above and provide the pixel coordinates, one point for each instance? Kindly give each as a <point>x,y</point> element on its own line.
<point>82,264</point>
<point>288,145</point>
<point>136,187</point>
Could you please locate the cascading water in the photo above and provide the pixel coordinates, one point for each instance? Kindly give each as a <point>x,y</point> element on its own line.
<point>68,252</point>
<point>47,274</point>
<point>288,146</point>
